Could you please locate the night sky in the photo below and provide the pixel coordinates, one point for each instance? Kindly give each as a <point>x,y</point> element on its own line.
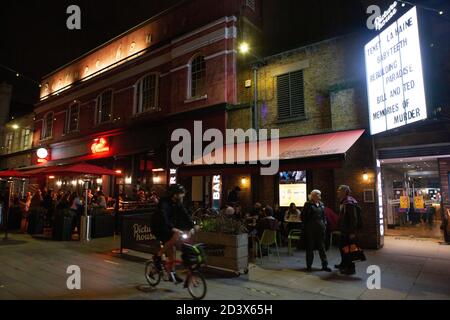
<point>35,40</point>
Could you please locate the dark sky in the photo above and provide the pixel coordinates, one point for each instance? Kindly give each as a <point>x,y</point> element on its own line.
<point>35,40</point>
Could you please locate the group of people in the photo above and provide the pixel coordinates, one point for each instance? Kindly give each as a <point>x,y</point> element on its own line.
<point>57,201</point>
<point>318,221</point>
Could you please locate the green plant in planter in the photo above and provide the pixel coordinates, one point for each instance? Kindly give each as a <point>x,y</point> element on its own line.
<point>223,225</point>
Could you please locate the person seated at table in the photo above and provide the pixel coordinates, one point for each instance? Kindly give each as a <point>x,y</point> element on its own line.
<point>267,211</point>
<point>238,215</point>
<point>267,223</point>
<point>141,195</point>
<point>256,212</point>
<point>278,213</point>
<point>100,200</point>
<point>227,211</point>
<point>292,214</point>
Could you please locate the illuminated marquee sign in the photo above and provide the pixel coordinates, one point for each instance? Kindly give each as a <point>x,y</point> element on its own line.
<point>394,76</point>
<point>216,191</point>
<point>99,146</point>
<point>42,155</point>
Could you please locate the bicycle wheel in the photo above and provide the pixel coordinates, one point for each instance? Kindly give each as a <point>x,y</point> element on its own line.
<point>196,285</point>
<point>152,274</point>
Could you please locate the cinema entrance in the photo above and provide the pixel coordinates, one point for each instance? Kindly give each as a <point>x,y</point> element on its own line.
<point>415,192</point>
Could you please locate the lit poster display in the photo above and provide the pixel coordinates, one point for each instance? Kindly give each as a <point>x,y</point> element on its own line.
<point>394,76</point>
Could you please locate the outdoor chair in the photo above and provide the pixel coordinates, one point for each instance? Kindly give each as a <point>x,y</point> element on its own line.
<point>294,234</point>
<point>268,238</point>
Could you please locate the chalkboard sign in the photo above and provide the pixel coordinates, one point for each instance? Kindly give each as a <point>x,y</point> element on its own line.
<point>137,235</point>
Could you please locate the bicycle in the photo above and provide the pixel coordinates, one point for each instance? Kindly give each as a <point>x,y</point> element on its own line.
<point>192,258</point>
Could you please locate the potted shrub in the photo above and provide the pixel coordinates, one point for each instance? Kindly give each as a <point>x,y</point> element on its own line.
<point>62,230</point>
<point>226,243</point>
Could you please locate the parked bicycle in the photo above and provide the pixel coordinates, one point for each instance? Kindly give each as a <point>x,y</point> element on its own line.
<point>192,258</point>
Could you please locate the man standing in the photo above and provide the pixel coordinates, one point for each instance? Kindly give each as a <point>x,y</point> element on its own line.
<point>314,219</point>
<point>233,196</point>
<point>348,224</point>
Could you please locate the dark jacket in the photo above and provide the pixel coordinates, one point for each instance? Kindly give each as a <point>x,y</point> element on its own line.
<point>267,223</point>
<point>168,216</point>
<point>348,216</point>
<point>313,214</point>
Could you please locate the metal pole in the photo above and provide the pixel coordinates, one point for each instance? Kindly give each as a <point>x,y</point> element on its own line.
<point>8,208</point>
<point>255,102</point>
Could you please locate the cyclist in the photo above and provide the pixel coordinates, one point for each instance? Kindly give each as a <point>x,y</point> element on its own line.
<point>167,223</point>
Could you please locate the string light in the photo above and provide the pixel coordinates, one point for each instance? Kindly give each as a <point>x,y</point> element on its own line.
<point>18,74</point>
<point>403,2</point>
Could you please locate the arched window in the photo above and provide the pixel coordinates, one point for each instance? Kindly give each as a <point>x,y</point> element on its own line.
<point>198,77</point>
<point>103,110</point>
<point>47,126</point>
<point>146,94</point>
<point>73,116</point>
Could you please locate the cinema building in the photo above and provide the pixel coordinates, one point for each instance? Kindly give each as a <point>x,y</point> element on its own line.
<point>117,105</point>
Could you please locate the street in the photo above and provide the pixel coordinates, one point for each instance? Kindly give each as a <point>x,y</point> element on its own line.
<point>36,269</point>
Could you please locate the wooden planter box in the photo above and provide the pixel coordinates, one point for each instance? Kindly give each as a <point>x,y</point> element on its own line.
<point>224,250</point>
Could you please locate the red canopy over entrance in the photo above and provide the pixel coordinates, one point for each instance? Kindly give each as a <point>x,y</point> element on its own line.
<point>325,150</point>
<point>12,174</point>
<point>74,169</point>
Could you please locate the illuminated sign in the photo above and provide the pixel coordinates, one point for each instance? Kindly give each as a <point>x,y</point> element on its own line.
<point>100,145</point>
<point>42,155</point>
<point>394,74</point>
<point>404,202</point>
<point>173,176</point>
<point>292,193</point>
<point>380,199</point>
<point>381,21</point>
<point>216,191</point>
<point>419,203</point>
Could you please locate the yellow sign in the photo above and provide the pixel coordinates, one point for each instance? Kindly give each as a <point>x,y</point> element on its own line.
<point>419,203</point>
<point>295,193</point>
<point>404,202</point>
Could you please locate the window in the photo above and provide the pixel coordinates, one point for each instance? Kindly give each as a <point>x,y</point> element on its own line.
<point>26,141</point>
<point>251,4</point>
<point>47,126</point>
<point>72,120</point>
<point>146,94</point>
<point>198,77</point>
<point>16,141</point>
<point>291,99</point>
<point>104,107</point>
<point>9,142</point>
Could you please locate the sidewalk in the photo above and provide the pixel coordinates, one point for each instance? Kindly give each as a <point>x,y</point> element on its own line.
<point>36,269</point>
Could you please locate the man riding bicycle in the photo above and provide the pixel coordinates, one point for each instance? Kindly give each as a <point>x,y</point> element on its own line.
<point>167,223</point>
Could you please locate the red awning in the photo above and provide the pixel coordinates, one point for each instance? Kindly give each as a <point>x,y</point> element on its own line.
<point>289,148</point>
<point>12,174</point>
<point>305,148</point>
<point>74,169</point>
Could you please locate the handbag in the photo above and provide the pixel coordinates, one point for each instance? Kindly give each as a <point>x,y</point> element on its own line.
<point>353,253</point>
